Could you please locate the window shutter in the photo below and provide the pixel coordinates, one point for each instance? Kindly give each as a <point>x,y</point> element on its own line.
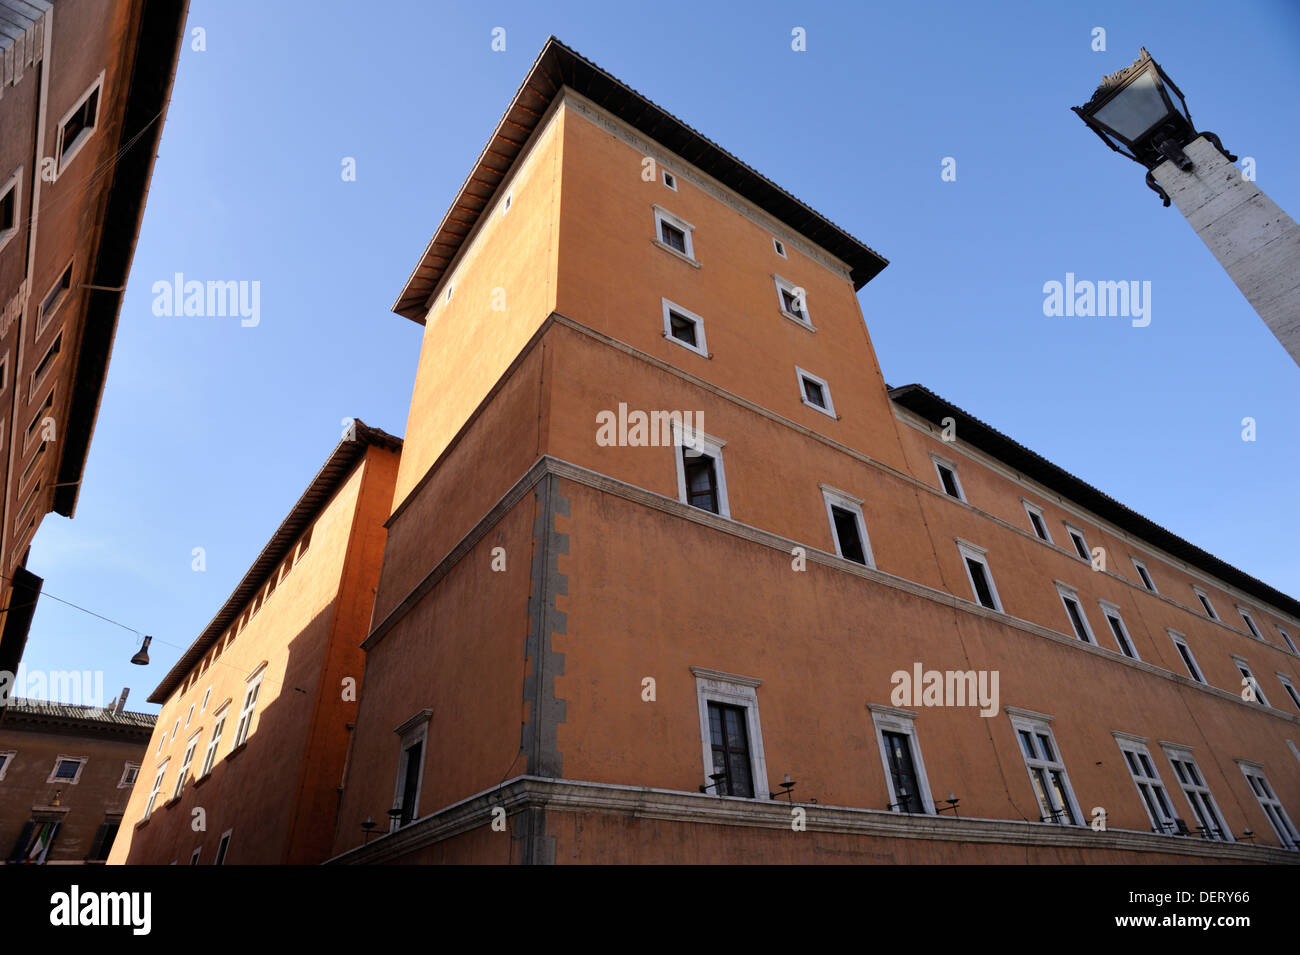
<point>21,844</point>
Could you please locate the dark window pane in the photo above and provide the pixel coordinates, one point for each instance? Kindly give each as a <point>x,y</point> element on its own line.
<point>1027,744</point>
<point>907,794</point>
<point>1079,545</point>
<point>982,589</point>
<point>1076,620</point>
<point>846,532</point>
<point>683,329</point>
<point>791,302</point>
<point>814,393</point>
<point>1039,529</point>
<point>411,782</point>
<point>949,481</point>
<point>1045,747</point>
<point>673,236</point>
<point>730,742</point>
<point>701,480</point>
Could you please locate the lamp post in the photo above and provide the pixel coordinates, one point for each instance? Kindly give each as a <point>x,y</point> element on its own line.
<point>1141,113</point>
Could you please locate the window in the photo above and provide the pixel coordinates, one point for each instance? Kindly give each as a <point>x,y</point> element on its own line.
<point>53,299</point>
<point>670,180</point>
<point>947,472</point>
<point>210,754</point>
<point>1117,628</point>
<point>1286,637</point>
<point>1074,610</point>
<point>981,578</point>
<point>1046,770</point>
<point>507,203</point>
<point>67,769</point>
<point>36,840</point>
<point>1277,817</point>
<point>1080,544</point>
<point>246,711</point>
<point>162,741</point>
<point>1184,651</point>
<point>1210,822</point>
<point>1250,623</point>
<point>847,526</point>
<point>674,234</point>
<point>206,693</point>
<point>34,426</point>
<point>157,788</point>
<point>194,857</point>
<point>1154,798</point>
<point>1248,679</point>
<point>900,755</point>
<point>130,772</point>
<point>793,301</point>
<point>79,124</point>
<point>46,363</point>
<point>1290,689</point>
<point>4,375</point>
<point>815,392</point>
<point>779,247</point>
<point>701,481</point>
<point>6,758</point>
<point>734,764</point>
<point>1205,602</point>
<point>1036,520</point>
<point>413,734</point>
<point>189,716</point>
<point>176,727</point>
<point>11,204</point>
<point>302,548</point>
<point>32,466</point>
<point>222,848</point>
<point>104,836</point>
<point>685,328</point>
<point>1145,575</point>
<point>183,776</point>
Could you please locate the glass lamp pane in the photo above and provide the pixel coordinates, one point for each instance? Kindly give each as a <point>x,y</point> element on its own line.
<point>1133,111</point>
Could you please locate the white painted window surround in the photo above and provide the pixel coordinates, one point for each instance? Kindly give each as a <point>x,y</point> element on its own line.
<point>701,346</point>
<point>974,553</point>
<point>715,686</point>
<point>662,215</point>
<point>806,377</point>
<point>67,151</point>
<point>833,497</point>
<point>692,440</point>
<point>893,720</point>
<point>414,730</point>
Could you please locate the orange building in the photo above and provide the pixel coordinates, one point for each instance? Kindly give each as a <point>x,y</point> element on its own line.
<point>664,543</point>
<point>256,714</point>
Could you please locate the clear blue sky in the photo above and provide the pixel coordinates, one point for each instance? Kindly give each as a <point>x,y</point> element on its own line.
<point>209,431</point>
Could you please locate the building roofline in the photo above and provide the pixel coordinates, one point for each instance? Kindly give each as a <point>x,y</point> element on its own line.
<point>71,719</point>
<point>340,465</point>
<point>921,401</point>
<point>558,66</point>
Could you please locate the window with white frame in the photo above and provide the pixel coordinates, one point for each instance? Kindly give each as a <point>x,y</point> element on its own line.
<point>974,558</point>
<point>685,328</point>
<point>1205,602</point>
<point>731,737</point>
<point>162,741</point>
<point>67,769</point>
<point>194,856</point>
<point>130,772</point>
<point>1185,652</point>
<point>1036,520</point>
<point>815,392</point>
<point>507,202</point>
<point>79,124</point>
<point>900,757</point>
<point>673,233</point>
<point>6,760</point>
<point>1210,822</point>
<point>1118,630</point>
<point>189,716</point>
<point>669,180</point>
<point>1147,779</point>
<point>1250,623</point>
<point>1248,680</point>
<point>54,298</point>
<point>1289,687</point>
<point>11,205</point>
<point>157,788</point>
<point>1079,541</point>
<point>223,847</point>
<point>183,776</point>
<point>214,742</point>
<point>1286,638</point>
<point>1046,768</point>
<point>1145,575</point>
<point>948,479</point>
<point>206,695</point>
<point>245,725</point>
<point>779,247</point>
<point>1074,611</point>
<point>413,736</point>
<point>792,300</point>
<point>848,529</point>
<point>1272,806</point>
<point>701,480</point>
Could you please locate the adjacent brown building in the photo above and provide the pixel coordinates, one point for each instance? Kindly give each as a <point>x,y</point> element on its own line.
<point>66,773</point>
<point>84,89</point>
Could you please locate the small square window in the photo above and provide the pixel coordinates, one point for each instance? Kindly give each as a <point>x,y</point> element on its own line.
<point>674,234</point>
<point>779,246</point>
<point>701,480</point>
<point>684,327</point>
<point>130,773</point>
<point>670,180</point>
<point>67,769</point>
<point>815,392</point>
<point>792,301</point>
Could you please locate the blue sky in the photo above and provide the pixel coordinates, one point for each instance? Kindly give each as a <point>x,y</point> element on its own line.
<point>209,431</point>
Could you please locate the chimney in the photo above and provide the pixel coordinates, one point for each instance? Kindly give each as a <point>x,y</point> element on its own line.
<point>120,703</point>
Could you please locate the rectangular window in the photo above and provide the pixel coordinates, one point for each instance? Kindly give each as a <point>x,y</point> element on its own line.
<point>1036,521</point>
<point>6,759</point>
<point>210,754</point>
<point>779,247</point>
<point>1250,623</point>
<point>1117,628</point>
<point>302,548</point>
<point>34,426</point>
<point>157,788</point>
<point>684,327</point>
<point>194,856</point>
<point>1272,806</point>
<point>1074,610</point>
<point>413,737</point>
<point>1248,680</point>
<point>130,772</point>
<point>104,836</point>
<point>981,578</point>
<point>670,180</point>
<point>32,466</point>
<point>900,753</point>
<point>1152,791</point>
<point>206,694</point>
<point>674,234</point>
<point>701,480</point>
<point>222,848</point>
<point>1290,689</point>
<point>1147,582</point>
<point>1205,602</point>
<point>1209,821</point>
<point>947,472</point>
<point>412,762</point>
<point>848,528</point>
<point>53,299</point>
<point>245,725</point>
<point>1286,638</point>
<point>815,392</point>
<point>732,740</point>
<point>11,204</point>
<point>1080,544</point>
<point>183,776</point>
<point>1046,770</point>
<point>46,363</point>
<point>35,841</point>
<point>792,300</point>
<point>1184,651</point>
<point>67,769</point>
<point>729,741</point>
<point>79,124</point>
